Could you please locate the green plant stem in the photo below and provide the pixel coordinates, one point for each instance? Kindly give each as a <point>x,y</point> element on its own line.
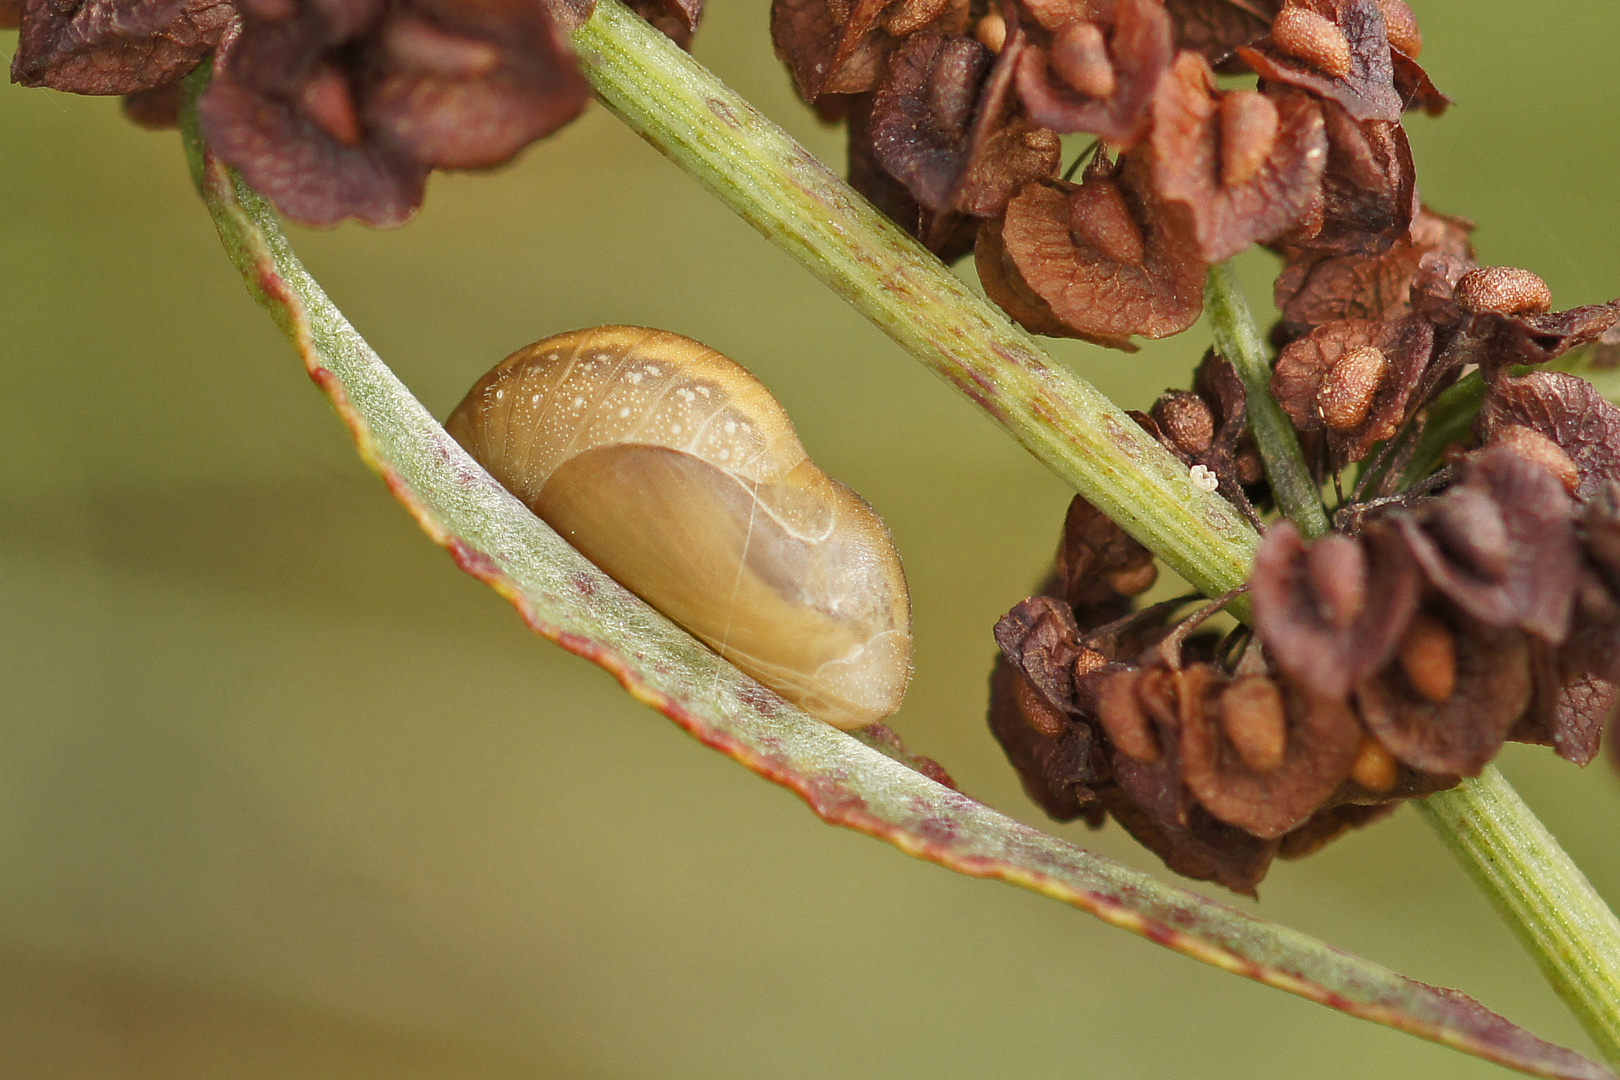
<point>1541,894</point>
<point>797,203</point>
<point>1238,339</point>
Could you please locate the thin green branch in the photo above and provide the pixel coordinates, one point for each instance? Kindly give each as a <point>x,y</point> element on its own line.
<point>1541,894</point>
<point>1238,339</point>
<point>796,202</point>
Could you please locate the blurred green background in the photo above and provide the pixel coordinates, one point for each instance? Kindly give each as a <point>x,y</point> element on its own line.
<point>283,794</point>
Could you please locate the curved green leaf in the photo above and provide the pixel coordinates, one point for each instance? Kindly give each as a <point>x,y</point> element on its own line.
<point>844,780</point>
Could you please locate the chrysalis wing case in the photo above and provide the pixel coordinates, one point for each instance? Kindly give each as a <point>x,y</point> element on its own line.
<point>676,472</point>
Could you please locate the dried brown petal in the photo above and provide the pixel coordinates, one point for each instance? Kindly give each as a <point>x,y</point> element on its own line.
<point>949,235</point>
<point>675,19</point>
<point>1213,28</point>
<point>1039,637</point>
<point>1501,544</point>
<point>1369,188</point>
<point>1463,734</point>
<point>1332,613</point>
<point>922,114</point>
<point>1533,445</point>
<point>1323,739</point>
<point>1328,825</point>
<point>115,46</point>
<point>10,14</point>
<point>309,175</point>
<point>831,47</point>
<point>1569,711</point>
<point>1310,374</point>
<point>1338,49</point>
<point>1015,153</point>
<point>1205,850</point>
<point>463,86</point>
<point>1096,556</point>
<point>1092,295</point>
<point>157,109</point>
<point>1319,286</point>
<point>1064,85</point>
<point>1239,177</point>
<point>1414,87</point>
<point>1056,771</point>
<point>1570,412</point>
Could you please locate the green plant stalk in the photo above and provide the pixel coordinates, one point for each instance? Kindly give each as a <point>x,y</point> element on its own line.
<point>1238,339</point>
<point>1541,894</point>
<point>754,167</point>
<point>798,203</point>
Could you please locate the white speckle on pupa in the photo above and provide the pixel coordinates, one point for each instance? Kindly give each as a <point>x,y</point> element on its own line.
<point>731,427</point>
<point>579,403</point>
<point>725,455</point>
<point>624,413</point>
<point>686,395</point>
<point>535,400</point>
<point>635,378</point>
<point>674,429</point>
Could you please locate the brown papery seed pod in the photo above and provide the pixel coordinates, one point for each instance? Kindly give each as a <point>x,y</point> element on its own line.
<point>1346,393</point>
<point>1305,35</point>
<point>1506,290</point>
<point>676,472</point>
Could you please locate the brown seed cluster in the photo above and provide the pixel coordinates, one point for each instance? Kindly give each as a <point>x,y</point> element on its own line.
<point>333,109</point>
<point>955,108</point>
<point>1470,591</point>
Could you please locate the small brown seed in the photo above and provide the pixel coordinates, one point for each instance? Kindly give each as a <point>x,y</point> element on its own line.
<point>1337,568</point>
<point>1428,656</point>
<point>1402,26</point>
<point>1041,716</point>
<point>1186,419</point>
<point>1506,290</point>
<point>1375,768</point>
<point>992,32</point>
<point>1136,579</point>
<point>1249,124</point>
<point>1347,391</point>
<point>1080,58</point>
<point>1099,215</point>
<point>1537,447</point>
<point>1256,721</point>
<point>1305,35</point>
